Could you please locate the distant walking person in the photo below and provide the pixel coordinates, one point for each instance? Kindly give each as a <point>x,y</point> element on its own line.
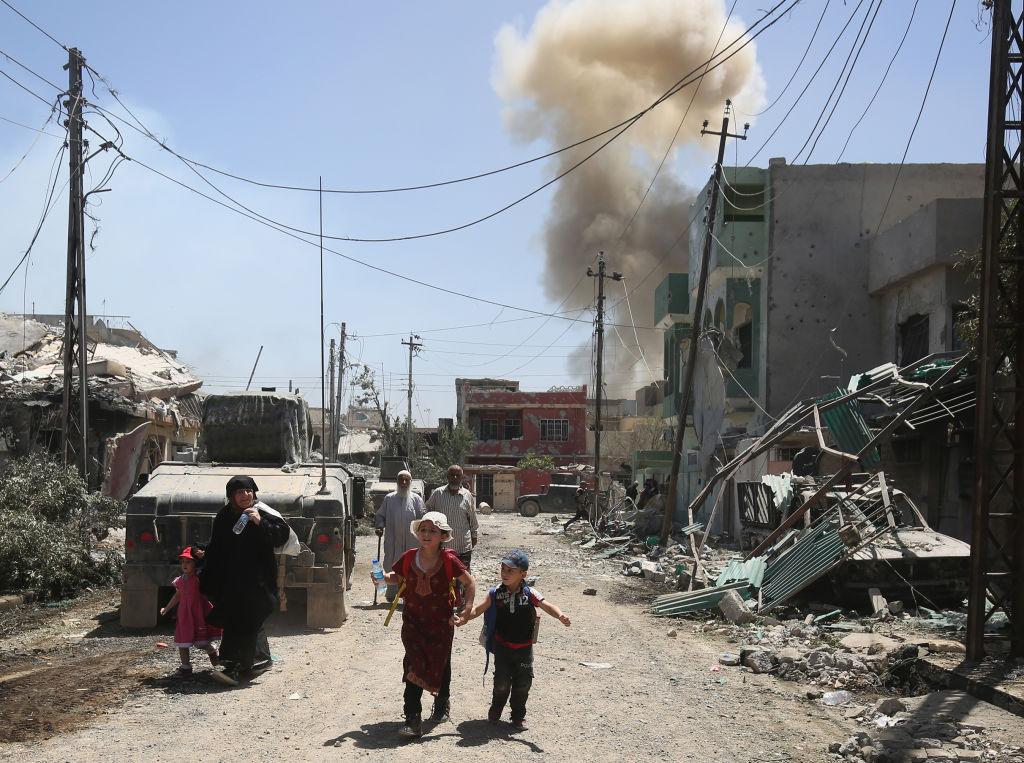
<point>584,500</point>
<point>393,520</point>
<point>456,503</point>
<point>632,492</point>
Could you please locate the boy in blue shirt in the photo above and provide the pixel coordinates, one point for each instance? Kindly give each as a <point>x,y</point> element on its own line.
<point>513,624</point>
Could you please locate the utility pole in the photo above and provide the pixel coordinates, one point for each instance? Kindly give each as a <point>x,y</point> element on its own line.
<point>75,410</point>
<point>696,320</point>
<point>332,428</point>
<point>341,384</point>
<point>413,346</point>
<point>997,533</point>
<point>600,275</point>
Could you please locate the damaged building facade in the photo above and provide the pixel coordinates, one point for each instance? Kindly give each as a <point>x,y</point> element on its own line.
<point>818,273</point>
<point>143,407</point>
<point>508,423</point>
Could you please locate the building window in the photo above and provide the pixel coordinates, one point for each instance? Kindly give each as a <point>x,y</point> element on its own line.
<point>554,430</point>
<point>743,328</point>
<point>786,454</point>
<point>913,339</point>
<point>513,427</point>
<point>489,428</point>
<point>743,203</point>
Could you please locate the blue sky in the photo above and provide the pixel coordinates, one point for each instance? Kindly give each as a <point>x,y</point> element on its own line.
<point>381,94</point>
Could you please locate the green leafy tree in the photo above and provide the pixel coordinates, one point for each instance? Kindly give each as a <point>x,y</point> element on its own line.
<point>51,526</point>
<point>540,463</point>
<point>453,445</point>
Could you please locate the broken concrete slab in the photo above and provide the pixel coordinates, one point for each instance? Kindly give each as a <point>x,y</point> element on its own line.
<point>872,643</point>
<point>945,646</point>
<point>890,706</point>
<point>735,609</point>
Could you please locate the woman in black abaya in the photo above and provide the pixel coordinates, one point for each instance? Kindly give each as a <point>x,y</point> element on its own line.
<point>240,578</point>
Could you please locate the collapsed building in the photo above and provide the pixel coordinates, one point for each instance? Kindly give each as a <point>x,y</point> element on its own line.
<point>143,406</point>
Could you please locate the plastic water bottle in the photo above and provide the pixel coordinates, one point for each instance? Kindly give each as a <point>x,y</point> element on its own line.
<point>377,571</point>
<point>240,524</point>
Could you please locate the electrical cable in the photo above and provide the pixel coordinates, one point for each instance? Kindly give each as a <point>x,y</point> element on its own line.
<point>23,87</point>
<point>803,58</point>
<point>867,108</point>
<point>920,111</point>
<point>30,21</point>
<point>29,127</point>
<point>849,73</point>
<point>48,205</point>
<point>34,73</point>
<point>31,146</point>
<point>451,229</point>
<point>675,88</point>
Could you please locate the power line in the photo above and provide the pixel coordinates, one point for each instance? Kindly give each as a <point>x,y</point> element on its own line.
<point>29,127</point>
<point>881,82</point>
<point>792,77</point>
<point>455,228</point>
<point>625,123</point>
<point>30,21</point>
<point>920,111</point>
<point>31,145</point>
<point>34,73</point>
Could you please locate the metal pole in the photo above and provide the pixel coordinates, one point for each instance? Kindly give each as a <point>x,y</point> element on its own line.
<point>341,384</point>
<point>323,391</point>
<point>333,428</point>
<point>695,329</point>
<point>253,372</point>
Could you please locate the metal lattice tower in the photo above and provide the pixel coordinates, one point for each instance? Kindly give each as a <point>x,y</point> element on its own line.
<point>997,540</point>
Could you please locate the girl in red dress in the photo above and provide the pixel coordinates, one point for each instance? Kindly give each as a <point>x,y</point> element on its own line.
<point>427,575</point>
<point>191,628</point>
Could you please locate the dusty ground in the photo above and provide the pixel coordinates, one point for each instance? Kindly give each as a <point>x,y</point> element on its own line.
<point>337,694</point>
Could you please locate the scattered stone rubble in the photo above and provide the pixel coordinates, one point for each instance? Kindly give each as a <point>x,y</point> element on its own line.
<point>891,733</point>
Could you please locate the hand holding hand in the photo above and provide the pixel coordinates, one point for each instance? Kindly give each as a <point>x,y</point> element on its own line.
<point>564,620</point>
<point>163,610</point>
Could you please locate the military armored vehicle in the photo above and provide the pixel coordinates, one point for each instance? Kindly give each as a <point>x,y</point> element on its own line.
<point>266,436</point>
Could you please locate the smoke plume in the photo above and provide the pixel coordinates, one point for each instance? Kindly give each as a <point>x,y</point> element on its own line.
<point>583,66</point>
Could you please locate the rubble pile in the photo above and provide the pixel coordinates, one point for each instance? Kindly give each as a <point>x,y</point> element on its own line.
<point>812,654</point>
<point>891,733</point>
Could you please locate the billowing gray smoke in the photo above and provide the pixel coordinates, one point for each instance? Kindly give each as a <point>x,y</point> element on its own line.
<point>583,66</point>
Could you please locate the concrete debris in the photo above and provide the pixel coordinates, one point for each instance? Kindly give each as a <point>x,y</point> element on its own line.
<point>590,592</point>
<point>735,609</point>
<point>904,736</point>
<point>728,658</point>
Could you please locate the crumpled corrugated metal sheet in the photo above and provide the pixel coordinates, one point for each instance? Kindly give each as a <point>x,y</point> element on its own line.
<point>850,430</point>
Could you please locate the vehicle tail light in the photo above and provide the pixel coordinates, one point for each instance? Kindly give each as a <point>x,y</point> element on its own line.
<point>323,538</point>
<point>146,537</point>
<point>129,543</point>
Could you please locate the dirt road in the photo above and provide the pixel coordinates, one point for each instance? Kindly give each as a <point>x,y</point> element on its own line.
<point>337,694</point>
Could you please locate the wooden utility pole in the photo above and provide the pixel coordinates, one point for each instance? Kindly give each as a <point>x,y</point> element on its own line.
<point>253,372</point>
<point>75,410</point>
<point>413,346</point>
<point>696,320</point>
<point>600,275</point>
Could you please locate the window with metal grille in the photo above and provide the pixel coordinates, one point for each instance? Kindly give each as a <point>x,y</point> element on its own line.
<point>554,430</point>
<point>488,429</point>
<point>913,339</point>
<point>744,203</point>
<point>513,427</point>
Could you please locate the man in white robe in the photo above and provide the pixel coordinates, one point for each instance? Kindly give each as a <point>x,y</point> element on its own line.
<point>392,521</point>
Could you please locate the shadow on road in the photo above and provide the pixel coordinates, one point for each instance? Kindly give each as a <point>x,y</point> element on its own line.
<point>384,735</point>
<point>479,732</point>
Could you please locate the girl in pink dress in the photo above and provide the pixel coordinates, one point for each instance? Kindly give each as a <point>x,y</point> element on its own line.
<point>191,628</point>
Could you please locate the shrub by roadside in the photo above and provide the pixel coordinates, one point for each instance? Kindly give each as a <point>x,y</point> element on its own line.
<point>49,527</point>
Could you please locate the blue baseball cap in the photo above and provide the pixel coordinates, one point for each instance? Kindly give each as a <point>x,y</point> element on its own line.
<point>518,559</point>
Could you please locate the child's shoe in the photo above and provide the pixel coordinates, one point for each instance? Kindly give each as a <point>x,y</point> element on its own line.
<point>183,671</point>
<point>494,715</point>
<point>441,711</point>
<point>413,728</point>
<point>519,724</point>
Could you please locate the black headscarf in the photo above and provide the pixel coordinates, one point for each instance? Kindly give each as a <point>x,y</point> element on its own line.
<point>241,482</point>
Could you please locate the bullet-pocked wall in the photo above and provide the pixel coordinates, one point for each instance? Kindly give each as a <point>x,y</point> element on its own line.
<point>823,219</point>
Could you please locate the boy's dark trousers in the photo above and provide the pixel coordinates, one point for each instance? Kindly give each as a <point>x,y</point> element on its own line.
<point>513,677</point>
<point>414,694</point>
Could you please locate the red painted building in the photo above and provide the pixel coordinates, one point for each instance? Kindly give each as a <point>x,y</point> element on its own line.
<point>510,423</point>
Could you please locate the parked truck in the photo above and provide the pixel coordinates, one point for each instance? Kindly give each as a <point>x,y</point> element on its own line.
<point>266,436</point>
<point>390,466</point>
